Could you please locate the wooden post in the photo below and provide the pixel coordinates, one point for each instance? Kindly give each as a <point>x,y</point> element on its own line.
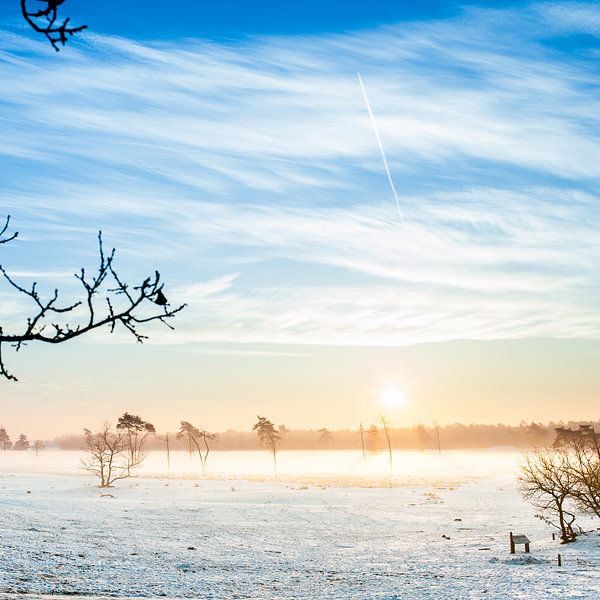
<point>512,543</point>
<point>553,535</point>
<point>559,561</point>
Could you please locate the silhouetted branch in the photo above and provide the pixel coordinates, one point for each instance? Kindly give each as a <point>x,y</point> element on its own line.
<point>46,326</point>
<point>3,239</point>
<point>47,22</point>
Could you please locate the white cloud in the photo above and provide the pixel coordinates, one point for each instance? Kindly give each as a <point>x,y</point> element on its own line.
<point>258,160</point>
<point>197,291</point>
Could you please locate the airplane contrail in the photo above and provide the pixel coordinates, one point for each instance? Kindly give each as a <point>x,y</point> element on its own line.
<point>381,150</point>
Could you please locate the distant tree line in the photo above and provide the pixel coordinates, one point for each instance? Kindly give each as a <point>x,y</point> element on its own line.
<point>21,443</point>
<point>456,436</point>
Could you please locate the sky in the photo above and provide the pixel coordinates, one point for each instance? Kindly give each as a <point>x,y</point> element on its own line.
<point>229,146</point>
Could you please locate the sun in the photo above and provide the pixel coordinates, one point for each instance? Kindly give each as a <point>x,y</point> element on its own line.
<point>392,398</point>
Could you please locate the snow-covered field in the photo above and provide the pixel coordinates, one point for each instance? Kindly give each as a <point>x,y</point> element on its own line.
<point>327,528</point>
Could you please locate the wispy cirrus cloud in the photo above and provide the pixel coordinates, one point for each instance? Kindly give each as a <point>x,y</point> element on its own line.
<point>258,159</point>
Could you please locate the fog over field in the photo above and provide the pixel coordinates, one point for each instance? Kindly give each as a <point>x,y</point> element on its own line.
<point>330,465</point>
<point>327,527</point>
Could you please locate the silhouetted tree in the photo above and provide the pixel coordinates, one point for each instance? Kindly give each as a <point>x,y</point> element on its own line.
<point>325,437</point>
<point>121,304</point>
<point>166,439</point>
<point>5,443</point>
<point>38,446</point>
<point>581,448</point>
<point>109,457</point>
<point>565,436</point>
<point>437,437</point>
<point>268,436</point>
<point>136,432</point>
<point>422,436</point>
<point>548,483</point>
<point>385,423</point>
<point>45,20</point>
<point>362,443</point>
<point>197,437</point>
<point>373,438</point>
<point>22,443</point>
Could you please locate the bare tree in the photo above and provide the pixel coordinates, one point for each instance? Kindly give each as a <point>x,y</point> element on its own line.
<point>45,20</point>
<point>437,436</point>
<point>109,457</point>
<point>120,304</point>
<point>198,438</point>
<point>166,439</point>
<point>385,423</point>
<point>548,483</point>
<point>136,432</point>
<point>268,436</point>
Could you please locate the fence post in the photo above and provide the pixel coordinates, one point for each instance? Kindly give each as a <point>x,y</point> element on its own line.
<point>559,560</point>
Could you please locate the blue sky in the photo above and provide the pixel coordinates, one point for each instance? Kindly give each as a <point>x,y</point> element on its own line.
<point>230,147</point>
<point>234,20</point>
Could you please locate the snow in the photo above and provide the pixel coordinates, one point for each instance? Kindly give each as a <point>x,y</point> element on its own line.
<point>318,532</point>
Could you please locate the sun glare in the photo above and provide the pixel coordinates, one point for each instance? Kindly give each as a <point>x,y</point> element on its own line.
<point>392,398</point>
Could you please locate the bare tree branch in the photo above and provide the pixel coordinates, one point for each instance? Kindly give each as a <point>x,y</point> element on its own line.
<point>121,305</point>
<point>46,21</point>
<point>4,240</point>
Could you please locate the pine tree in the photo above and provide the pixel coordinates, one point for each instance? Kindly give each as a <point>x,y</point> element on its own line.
<point>5,443</point>
<point>22,443</point>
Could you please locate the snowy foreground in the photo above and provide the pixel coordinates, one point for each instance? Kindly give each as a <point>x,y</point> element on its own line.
<point>299,537</point>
